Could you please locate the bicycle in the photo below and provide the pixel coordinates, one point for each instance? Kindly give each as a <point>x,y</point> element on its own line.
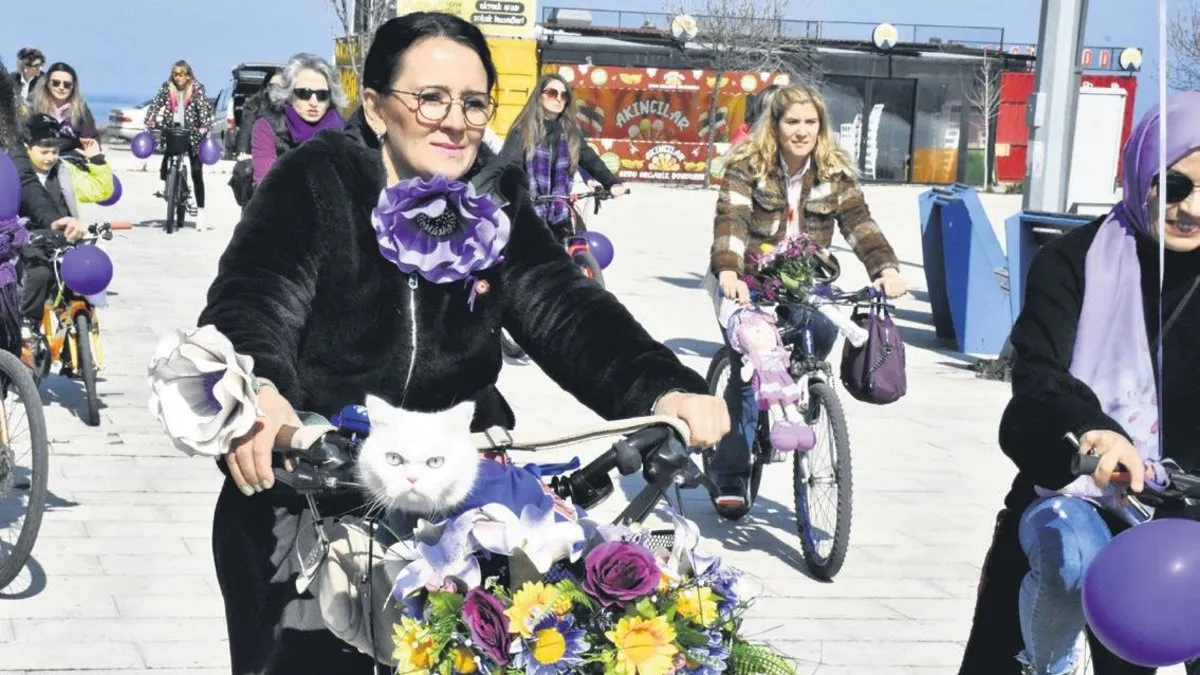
<point>23,484</point>
<point>809,330</point>
<point>575,240</point>
<point>177,193</point>
<point>67,316</point>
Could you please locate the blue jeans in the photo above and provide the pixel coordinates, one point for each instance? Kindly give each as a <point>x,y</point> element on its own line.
<point>1061,536</point>
<point>731,463</point>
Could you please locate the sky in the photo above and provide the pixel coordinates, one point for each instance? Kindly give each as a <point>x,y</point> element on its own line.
<point>125,49</point>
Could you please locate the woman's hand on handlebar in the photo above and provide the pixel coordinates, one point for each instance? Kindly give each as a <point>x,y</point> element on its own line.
<point>249,460</point>
<point>619,190</point>
<point>71,228</point>
<point>1113,449</point>
<point>891,283</point>
<point>733,287</point>
<point>706,416</point>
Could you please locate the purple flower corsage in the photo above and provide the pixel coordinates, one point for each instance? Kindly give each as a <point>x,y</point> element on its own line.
<point>440,229</point>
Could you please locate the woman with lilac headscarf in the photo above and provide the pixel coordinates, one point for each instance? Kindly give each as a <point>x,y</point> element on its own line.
<point>1087,344</point>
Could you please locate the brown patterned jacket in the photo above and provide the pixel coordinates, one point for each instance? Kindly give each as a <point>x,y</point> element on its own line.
<point>750,213</point>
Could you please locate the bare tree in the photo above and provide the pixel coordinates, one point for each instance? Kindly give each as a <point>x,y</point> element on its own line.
<point>982,93</point>
<point>748,35</point>
<point>359,20</point>
<point>1183,48</point>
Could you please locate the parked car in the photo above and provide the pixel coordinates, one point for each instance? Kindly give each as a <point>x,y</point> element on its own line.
<point>246,79</point>
<point>125,123</point>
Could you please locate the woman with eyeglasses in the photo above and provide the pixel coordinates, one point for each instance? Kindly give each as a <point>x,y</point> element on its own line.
<point>57,94</point>
<point>1087,343</point>
<point>547,142</point>
<point>182,101</point>
<point>303,103</point>
<point>391,271</point>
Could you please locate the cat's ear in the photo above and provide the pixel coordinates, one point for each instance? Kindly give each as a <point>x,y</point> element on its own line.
<point>378,410</point>
<point>462,414</point>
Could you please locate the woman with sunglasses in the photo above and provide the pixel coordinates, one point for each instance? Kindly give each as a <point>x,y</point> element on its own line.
<point>57,94</point>
<point>547,142</point>
<point>1087,342</point>
<point>304,102</point>
<point>390,271</point>
<point>181,100</point>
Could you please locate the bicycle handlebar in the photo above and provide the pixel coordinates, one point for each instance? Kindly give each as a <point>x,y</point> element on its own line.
<point>599,194</point>
<point>1182,489</point>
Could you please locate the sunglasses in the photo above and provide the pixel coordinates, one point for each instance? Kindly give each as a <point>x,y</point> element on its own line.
<point>556,94</point>
<point>62,84</point>
<point>180,73</point>
<point>304,94</point>
<point>1179,186</point>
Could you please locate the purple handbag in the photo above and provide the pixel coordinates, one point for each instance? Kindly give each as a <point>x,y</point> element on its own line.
<point>874,372</point>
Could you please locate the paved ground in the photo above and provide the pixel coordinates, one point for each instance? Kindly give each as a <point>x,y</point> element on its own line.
<point>122,579</point>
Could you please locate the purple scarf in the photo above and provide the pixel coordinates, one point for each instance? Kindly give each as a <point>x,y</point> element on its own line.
<point>301,129</point>
<point>1112,352</point>
<point>545,179</point>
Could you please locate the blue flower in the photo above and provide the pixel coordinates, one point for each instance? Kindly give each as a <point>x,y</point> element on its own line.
<point>556,646</point>
<point>707,660</point>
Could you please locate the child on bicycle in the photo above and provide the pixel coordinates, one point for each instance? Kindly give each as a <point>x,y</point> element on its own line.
<point>48,201</point>
<point>787,177</point>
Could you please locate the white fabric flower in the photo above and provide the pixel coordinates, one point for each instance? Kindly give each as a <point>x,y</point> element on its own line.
<point>536,533</point>
<point>202,392</point>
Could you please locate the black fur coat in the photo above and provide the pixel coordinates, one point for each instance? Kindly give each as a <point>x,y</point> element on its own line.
<point>304,290</point>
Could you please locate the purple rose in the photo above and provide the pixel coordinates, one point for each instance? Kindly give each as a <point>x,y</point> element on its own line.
<point>488,624</point>
<point>619,572</point>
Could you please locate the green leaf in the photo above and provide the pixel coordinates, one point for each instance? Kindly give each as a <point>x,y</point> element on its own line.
<point>748,659</point>
<point>645,608</point>
<point>688,636</point>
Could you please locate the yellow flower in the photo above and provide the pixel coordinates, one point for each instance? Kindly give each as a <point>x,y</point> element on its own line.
<point>531,602</point>
<point>413,647</point>
<point>697,604</point>
<point>549,646</point>
<point>463,660</point>
<point>766,248</point>
<point>644,646</point>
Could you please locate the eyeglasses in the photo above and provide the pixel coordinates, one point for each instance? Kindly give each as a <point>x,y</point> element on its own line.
<point>433,105</point>
<point>556,94</point>
<point>35,66</point>
<point>62,84</point>
<point>180,73</point>
<point>305,94</point>
<point>1179,186</point>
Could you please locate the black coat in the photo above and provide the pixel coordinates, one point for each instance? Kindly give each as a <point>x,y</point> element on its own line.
<point>513,153</point>
<point>304,290</point>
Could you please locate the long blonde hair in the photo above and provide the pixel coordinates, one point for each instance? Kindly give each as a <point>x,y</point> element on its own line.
<point>43,103</point>
<point>532,121</point>
<point>760,151</point>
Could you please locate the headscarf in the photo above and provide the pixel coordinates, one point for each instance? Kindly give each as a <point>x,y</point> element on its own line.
<point>1112,351</point>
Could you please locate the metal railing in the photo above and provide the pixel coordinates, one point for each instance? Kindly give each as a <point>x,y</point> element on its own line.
<point>604,19</point>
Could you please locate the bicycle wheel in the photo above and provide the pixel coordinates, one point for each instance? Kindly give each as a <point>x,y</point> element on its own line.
<point>85,367</point>
<point>22,482</point>
<point>718,379</point>
<point>591,269</point>
<point>172,196</point>
<point>181,195</point>
<point>811,480</point>
<point>510,348</point>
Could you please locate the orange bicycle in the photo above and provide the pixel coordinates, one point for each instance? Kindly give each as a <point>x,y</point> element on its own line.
<point>69,315</point>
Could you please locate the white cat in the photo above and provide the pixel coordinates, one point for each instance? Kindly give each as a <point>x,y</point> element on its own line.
<point>416,462</point>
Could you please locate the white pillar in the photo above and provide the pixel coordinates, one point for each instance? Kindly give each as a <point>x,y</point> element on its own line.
<point>1052,107</point>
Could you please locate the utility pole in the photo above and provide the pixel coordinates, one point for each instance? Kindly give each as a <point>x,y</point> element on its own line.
<point>1052,108</point>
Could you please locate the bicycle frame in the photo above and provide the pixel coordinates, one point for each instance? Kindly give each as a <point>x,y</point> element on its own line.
<point>58,321</point>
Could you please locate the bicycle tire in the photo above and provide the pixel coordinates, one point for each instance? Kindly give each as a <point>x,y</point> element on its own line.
<point>509,347</point>
<point>86,367</point>
<point>720,363</point>
<point>172,195</point>
<point>588,265</point>
<point>15,374</point>
<point>822,397</point>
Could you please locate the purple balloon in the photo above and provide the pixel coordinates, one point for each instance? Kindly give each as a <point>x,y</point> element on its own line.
<point>601,248</point>
<point>116,195</point>
<point>87,270</point>
<point>209,150</point>
<point>10,187</point>
<point>142,145</point>
<point>1141,594</point>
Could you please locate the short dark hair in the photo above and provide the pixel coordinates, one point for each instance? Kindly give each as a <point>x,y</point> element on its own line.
<point>28,55</point>
<point>396,36</point>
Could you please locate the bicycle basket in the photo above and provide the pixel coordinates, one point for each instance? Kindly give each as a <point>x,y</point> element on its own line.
<point>807,330</point>
<point>175,141</point>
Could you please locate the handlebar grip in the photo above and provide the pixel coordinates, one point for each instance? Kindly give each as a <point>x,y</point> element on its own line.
<point>1084,465</point>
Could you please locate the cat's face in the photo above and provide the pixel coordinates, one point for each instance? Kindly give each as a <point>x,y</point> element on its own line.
<point>415,462</point>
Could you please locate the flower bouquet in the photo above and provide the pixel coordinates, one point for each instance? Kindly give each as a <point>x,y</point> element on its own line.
<point>783,272</point>
<point>612,603</point>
